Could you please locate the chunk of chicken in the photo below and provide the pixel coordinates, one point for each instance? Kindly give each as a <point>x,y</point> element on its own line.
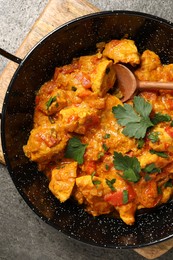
<point>44,143</point>
<point>94,195</point>
<point>151,68</point>
<point>63,180</point>
<point>122,51</point>
<point>79,118</point>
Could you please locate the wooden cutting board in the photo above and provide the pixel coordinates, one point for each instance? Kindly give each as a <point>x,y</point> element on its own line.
<point>56,13</point>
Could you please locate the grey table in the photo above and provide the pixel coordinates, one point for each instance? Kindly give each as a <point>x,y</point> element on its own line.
<point>22,234</point>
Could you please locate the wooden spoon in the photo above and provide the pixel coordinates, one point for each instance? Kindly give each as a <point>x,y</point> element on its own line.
<point>128,83</point>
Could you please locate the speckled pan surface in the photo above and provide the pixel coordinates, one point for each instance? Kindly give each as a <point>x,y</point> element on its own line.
<point>58,48</point>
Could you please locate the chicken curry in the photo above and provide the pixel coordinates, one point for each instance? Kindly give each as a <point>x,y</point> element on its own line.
<point>108,156</point>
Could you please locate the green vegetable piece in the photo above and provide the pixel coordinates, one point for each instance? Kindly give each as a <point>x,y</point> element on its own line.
<point>135,119</point>
<point>50,101</point>
<point>110,184</point>
<point>75,150</point>
<point>160,154</point>
<point>107,167</point>
<point>151,168</point>
<point>168,184</point>
<point>147,177</point>
<point>105,147</point>
<point>140,143</point>
<point>159,117</point>
<point>153,137</point>
<point>106,136</point>
<point>129,165</point>
<point>95,182</point>
<point>125,196</point>
<point>159,190</point>
<point>131,175</point>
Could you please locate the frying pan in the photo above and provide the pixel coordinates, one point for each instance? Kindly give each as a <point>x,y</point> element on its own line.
<point>76,38</point>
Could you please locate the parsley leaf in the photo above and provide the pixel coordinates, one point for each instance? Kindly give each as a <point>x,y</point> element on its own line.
<point>153,137</point>
<point>140,143</point>
<point>75,150</point>
<point>151,168</point>
<point>147,177</point>
<point>95,182</point>
<point>134,119</point>
<point>129,165</point>
<point>110,184</point>
<point>50,101</point>
<point>105,147</point>
<point>159,117</point>
<point>125,196</point>
<point>160,154</point>
<point>106,136</point>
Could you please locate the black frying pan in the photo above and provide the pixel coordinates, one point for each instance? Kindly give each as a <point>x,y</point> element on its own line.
<point>76,38</point>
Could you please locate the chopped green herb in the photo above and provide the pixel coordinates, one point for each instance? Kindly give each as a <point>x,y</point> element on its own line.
<point>135,119</point>
<point>107,167</point>
<point>159,190</point>
<point>100,155</point>
<point>75,150</point>
<point>140,143</point>
<point>129,165</point>
<point>159,117</point>
<point>106,136</point>
<point>171,124</point>
<point>73,88</point>
<point>125,196</point>
<point>50,101</point>
<point>147,177</point>
<point>168,184</point>
<point>153,137</point>
<point>160,154</point>
<point>110,184</point>
<point>151,168</point>
<point>105,147</point>
<point>95,182</point>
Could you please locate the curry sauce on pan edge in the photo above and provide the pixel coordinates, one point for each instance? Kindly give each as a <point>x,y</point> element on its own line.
<point>109,156</point>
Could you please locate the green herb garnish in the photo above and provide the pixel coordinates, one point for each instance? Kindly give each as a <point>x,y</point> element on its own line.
<point>147,177</point>
<point>129,165</point>
<point>106,136</point>
<point>125,196</point>
<point>107,167</point>
<point>153,137</point>
<point>50,101</point>
<point>168,184</point>
<point>105,147</point>
<point>95,182</point>
<point>160,154</point>
<point>159,117</point>
<point>135,119</point>
<point>100,155</point>
<point>110,184</point>
<point>140,143</point>
<point>151,168</point>
<point>75,150</point>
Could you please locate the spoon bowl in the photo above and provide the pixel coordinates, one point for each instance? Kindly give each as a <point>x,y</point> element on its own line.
<point>128,84</point>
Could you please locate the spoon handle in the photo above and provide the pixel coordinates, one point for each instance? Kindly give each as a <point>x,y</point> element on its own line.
<point>154,85</point>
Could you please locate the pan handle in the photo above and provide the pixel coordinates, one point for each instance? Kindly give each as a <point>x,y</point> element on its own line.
<point>10,56</point>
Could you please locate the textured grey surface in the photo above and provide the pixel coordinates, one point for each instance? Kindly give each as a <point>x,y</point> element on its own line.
<point>22,234</point>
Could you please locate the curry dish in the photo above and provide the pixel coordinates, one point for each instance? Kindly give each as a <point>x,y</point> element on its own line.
<point>108,156</point>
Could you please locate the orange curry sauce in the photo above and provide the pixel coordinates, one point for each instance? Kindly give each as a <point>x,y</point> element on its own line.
<point>76,136</point>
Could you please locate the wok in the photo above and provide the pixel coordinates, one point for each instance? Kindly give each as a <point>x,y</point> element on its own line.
<point>79,37</point>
